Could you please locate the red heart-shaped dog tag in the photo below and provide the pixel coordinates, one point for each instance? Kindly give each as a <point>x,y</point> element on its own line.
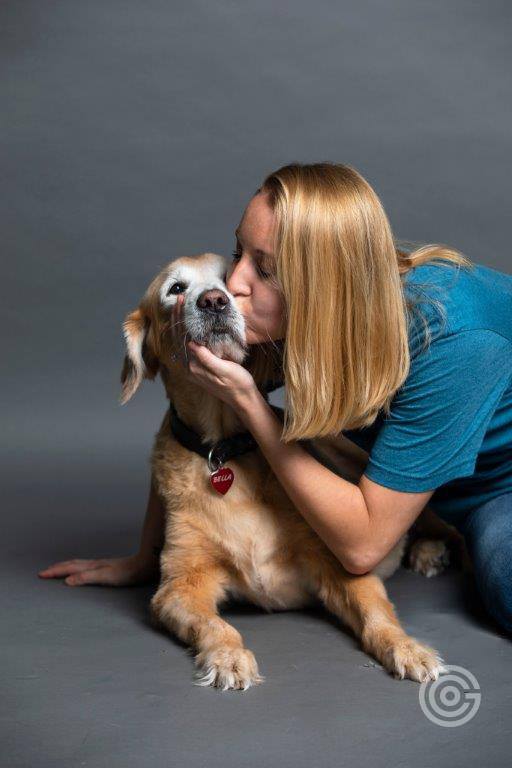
<point>222,479</point>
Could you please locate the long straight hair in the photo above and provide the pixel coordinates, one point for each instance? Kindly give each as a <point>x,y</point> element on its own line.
<point>340,272</point>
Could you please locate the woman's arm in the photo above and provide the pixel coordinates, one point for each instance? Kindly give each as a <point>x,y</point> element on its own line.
<point>153,530</point>
<point>119,571</point>
<point>359,523</point>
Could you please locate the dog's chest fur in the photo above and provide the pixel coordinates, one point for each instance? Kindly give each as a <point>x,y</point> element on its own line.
<point>255,532</point>
<point>265,570</point>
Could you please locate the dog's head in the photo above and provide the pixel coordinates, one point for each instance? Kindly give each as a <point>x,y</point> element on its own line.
<point>210,317</point>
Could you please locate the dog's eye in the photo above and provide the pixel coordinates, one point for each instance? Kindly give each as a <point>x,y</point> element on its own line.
<point>176,288</point>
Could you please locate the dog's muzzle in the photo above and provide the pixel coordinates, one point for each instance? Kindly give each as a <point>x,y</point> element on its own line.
<point>214,320</point>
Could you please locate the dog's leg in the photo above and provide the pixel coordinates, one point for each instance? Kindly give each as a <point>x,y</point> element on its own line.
<point>362,603</point>
<point>187,606</point>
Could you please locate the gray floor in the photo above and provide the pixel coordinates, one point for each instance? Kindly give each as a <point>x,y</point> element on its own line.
<point>88,681</point>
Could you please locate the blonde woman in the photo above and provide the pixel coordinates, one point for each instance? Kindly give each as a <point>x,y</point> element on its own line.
<point>405,352</point>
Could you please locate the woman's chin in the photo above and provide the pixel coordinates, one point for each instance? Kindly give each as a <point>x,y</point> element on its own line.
<point>255,338</point>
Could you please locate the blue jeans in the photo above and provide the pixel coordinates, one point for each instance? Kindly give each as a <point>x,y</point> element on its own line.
<point>488,534</point>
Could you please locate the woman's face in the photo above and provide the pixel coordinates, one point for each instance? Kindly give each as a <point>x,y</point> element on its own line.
<point>249,276</point>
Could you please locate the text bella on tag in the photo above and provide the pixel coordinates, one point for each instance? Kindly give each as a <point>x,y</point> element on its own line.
<point>222,479</point>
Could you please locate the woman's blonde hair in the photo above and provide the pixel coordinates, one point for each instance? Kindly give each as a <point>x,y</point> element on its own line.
<point>339,268</point>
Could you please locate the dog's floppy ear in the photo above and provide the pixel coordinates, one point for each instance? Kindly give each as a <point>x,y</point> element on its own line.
<point>139,362</point>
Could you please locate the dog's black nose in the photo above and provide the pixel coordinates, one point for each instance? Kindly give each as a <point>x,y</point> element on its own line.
<point>213,300</point>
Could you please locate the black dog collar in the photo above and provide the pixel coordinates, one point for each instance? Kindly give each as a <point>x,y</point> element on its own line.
<point>222,450</point>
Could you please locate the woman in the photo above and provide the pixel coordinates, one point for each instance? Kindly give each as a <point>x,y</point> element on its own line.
<point>407,354</point>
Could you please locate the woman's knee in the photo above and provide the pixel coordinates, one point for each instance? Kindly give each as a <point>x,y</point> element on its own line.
<point>488,536</point>
<point>496,587</point>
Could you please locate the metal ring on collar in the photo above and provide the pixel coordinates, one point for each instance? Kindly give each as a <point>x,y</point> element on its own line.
<point>210,460</point>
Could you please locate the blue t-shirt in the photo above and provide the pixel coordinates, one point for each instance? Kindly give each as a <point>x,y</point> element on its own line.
<point>450,424</point>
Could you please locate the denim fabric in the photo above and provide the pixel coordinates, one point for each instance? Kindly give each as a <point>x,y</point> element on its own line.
<point>488,534</point>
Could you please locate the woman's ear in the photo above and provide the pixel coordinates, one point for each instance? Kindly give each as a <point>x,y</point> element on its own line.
<point>139,362</point>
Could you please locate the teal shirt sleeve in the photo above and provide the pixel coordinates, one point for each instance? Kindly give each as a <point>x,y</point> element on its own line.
<point>439,417</point>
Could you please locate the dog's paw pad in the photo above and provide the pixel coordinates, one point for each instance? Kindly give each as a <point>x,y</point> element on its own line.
<point>428,557</point>
<point>228,669</point>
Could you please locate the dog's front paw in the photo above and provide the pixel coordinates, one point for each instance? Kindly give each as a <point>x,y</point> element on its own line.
<point>228,668</point>
<point>429,557</point>
<point>410,658</point>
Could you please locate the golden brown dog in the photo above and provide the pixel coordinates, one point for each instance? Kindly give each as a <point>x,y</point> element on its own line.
<point>250,543</point>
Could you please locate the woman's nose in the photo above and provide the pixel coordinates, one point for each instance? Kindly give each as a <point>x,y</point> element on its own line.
<point>235,282</point>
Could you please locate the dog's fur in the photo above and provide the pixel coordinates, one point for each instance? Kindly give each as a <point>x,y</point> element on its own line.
<point>252,543</point>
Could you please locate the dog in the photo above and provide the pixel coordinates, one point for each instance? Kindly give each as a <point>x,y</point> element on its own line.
<point>249,543</point>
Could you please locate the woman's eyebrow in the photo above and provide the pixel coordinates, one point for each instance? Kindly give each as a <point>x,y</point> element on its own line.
<point>256,250</point>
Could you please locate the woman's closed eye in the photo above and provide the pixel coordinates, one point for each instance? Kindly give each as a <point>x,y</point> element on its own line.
<point>236,255</point>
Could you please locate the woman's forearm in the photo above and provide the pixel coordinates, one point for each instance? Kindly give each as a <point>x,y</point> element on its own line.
<point>153,530</point>
<point>333,507</point>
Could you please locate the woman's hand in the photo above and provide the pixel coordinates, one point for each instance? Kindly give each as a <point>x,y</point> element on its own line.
<point>113,571</point>
<point>225,379</point>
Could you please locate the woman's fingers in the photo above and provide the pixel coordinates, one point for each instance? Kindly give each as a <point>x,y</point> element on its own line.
<point>67,567</point>
<point>112,571</point>
<point>213,364</point>
<point>177,328</point>
<point>80,572</point>
<point>100,575</point>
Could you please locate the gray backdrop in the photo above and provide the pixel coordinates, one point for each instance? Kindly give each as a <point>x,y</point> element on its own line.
<point>134,132</point>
